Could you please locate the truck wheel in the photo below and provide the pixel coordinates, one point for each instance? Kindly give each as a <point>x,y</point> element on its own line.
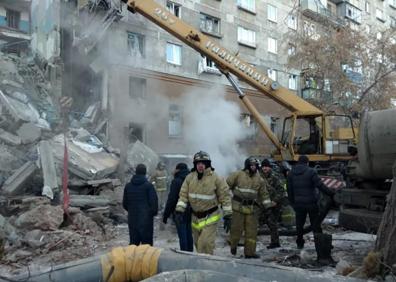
<point>359,220</point>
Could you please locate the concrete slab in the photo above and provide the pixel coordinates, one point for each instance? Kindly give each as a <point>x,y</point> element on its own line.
<point>10,138</point>
<point>89,201</point>
<point>140,153</point>
<point>86,165</point>
<point>15,184</point>
<point>47,162</point>
<point>90,114</point>
<point>29,133</point>
<point>96,183</point>
<point>18,110</point>
<point>11,83</point>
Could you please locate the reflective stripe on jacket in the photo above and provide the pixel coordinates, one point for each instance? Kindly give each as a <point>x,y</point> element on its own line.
<point>159,180</point>
<point>248,187</point>
<point>199,224</point>
<point>205,193</point>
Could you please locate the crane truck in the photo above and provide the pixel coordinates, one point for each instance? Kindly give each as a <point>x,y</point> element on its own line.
<point>332,138</point>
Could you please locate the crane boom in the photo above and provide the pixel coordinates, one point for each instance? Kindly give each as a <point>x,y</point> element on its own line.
<point>325,142</point>
<point>223,58</point>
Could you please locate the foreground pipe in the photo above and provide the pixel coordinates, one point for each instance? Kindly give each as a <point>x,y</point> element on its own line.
<point>137,263</point>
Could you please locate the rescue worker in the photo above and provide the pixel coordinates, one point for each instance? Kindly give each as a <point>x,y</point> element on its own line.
<point>141,202</point>
<point>302,185</point>
<point>249,192</point>
<point>159,180</point>
<point>204,190</point>
<point>184,225</point>
<point>277,195</point>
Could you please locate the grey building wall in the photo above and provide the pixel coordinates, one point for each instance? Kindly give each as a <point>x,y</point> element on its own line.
<point>153,59</point>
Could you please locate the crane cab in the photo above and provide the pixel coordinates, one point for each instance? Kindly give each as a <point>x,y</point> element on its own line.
<point>320,137</point>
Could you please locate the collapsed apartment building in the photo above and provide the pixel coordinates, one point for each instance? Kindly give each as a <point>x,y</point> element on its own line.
<point>32,136</point>
<point>114,63</point>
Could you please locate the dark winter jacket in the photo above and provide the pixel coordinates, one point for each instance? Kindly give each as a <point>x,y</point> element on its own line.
<point>173,196</point>
<point>303,183</point>
<point>141,202</point>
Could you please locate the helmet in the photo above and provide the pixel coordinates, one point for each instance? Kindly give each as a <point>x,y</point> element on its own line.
<point>160,165</point>
<point>251,161</point>
<point>201,156</point>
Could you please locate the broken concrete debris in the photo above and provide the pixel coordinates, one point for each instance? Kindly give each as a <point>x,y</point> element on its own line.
<point>47,162</point>
<point>43,217</point>
<point>86,163</point>
<point>91,114</point>
<point>96,183</point>
<point>19,112</point>
<point>89,201</point>
<point>140,153</point>
<point>5,227</point>
<point>14,185</point>
<point>34,238</point>
<point>9,138</point>
<point>86,224</point>
<point>29,133</point>
<point>32,222</point>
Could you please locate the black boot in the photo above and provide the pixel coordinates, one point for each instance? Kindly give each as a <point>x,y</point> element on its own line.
<point>255,256</point>
<point>300,243</point>
<point>273,245</point>
<point>323,248</point>
<point>233,251</point>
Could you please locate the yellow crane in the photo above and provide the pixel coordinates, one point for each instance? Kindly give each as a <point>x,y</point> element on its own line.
<point>308,130</point>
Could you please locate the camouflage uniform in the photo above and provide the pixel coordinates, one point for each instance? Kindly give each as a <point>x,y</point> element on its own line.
<point>270,216</point>
<point>249,191</point>
<point>204,196</point>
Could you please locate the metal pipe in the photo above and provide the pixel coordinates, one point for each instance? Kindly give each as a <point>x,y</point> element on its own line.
<point>94,269</point>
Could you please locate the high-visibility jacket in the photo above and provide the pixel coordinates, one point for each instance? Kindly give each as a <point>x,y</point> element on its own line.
<point>159,180</point>
<point>204,194</point>
<point>252,188</point>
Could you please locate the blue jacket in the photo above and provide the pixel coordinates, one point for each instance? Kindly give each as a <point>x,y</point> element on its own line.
<point>173,195</point>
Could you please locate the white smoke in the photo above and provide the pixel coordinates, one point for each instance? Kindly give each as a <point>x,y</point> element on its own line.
<point>212,124</point>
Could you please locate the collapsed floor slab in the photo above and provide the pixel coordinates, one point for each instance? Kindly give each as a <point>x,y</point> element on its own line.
<point>15,184</point>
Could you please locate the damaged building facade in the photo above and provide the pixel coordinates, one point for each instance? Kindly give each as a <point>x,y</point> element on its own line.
<point>130,65</point>
<point>15,26</point>
<point>116,63</point>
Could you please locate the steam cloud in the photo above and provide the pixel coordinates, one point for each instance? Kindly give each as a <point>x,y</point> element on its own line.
<point>212,125</point>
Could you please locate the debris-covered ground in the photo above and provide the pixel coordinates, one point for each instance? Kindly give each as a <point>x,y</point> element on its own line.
<point>39,249</point>
<point>33,230</point>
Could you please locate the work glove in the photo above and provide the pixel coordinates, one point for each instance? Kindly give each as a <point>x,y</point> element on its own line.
<point>227,222</point>
<point>179,217</point>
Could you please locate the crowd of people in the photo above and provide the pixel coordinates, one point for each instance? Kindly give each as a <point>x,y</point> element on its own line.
<point>198,199</point>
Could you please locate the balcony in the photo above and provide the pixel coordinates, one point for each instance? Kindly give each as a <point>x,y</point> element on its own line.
<point>314,10</point>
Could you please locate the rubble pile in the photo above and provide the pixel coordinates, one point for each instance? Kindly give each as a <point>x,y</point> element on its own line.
<point>32,146</point>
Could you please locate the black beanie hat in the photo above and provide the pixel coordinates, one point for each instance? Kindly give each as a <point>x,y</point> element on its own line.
<point>141,169</point>
<point>303,159</point>
<point>266,162</point>
<point>181,166</point>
